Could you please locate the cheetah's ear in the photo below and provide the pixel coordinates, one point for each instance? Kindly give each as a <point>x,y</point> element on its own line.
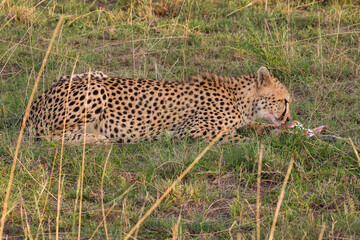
<point>263,77</point>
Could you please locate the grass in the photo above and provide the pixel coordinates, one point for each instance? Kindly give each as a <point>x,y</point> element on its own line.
<point>313,47</point>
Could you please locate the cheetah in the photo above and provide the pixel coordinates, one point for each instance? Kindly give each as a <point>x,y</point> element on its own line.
<point>127,110</point>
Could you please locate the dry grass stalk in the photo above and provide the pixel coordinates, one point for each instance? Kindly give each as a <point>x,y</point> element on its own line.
<point>89,13</point>
<point>76,204</point>
<point>83,156</point>
<point>309,4</point>
<point>103,193</point>
<point>355,151</point>
<point>8,190</point>
<point>27,230</point>
<point>258,203</point>
<point>49,228</point>
<point>281,197</point>
<point>176,230</point>
<point>156,204</point>
<point>337,37</point>
<point>321,235</point>
<point>62,153</point>
<point>22,218</point>
<point>251,3</point>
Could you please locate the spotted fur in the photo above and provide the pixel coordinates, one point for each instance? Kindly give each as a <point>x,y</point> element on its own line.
<point>127,110</point>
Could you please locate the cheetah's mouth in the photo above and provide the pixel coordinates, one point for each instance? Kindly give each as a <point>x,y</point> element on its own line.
<point>277,121</point>
<point>274,120</point>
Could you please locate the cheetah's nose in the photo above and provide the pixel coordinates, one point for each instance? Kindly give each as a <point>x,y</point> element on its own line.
<point>287,119</point>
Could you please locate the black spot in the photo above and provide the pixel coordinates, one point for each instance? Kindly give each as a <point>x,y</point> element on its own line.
<point>98,110</point>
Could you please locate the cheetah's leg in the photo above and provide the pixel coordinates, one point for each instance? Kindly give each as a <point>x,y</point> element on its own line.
<point>77,135</point>
<point>260,128</point>
<point>201,130</point>
<point>90,138</point>
<point>232,138</point>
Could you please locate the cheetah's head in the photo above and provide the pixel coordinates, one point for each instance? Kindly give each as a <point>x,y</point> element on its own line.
<point>272,98</point>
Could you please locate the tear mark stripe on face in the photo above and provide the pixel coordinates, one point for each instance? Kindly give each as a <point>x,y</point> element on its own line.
<point>283,114</point>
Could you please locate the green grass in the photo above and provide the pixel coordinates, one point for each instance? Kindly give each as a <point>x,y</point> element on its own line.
<point>313,48</point>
